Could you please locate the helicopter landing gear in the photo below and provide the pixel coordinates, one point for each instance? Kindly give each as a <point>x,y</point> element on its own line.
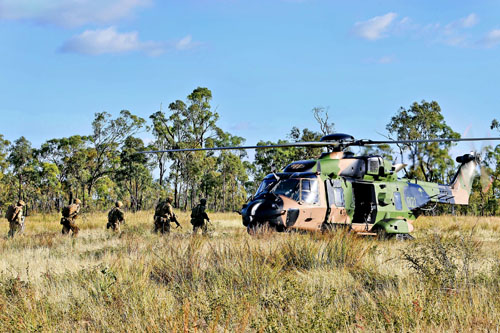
<point>404,237</point>
<point>383,235</point>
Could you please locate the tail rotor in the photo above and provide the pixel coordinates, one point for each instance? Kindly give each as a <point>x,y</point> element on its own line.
<point>485,179</point>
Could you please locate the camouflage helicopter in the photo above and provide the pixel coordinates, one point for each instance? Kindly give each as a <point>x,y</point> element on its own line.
<point>339,189</point>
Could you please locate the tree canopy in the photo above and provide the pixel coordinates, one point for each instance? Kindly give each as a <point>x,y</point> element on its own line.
<point>103,166</point>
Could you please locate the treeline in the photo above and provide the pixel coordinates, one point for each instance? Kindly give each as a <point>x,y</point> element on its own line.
<point>104,165</point>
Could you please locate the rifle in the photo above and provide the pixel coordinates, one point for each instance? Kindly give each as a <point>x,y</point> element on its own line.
<point>174,219</point>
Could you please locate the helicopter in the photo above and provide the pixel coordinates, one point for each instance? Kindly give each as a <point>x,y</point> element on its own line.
<point>340,190</point>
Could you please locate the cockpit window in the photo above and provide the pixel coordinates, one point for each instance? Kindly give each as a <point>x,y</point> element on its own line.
<point>265,185</point>
<point>290,188</point>
<point>305,190</point>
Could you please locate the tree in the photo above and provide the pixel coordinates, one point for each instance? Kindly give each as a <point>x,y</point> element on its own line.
<point>306,153</point>
<point>190,125</point>
<point>21,159</point>
<point>108,134</point>
<point>321,115</point>
<point>429,161</point>
<point>5,178</point>
<point>163,140</point>
<point>134,173</point>
<point>70,156</point>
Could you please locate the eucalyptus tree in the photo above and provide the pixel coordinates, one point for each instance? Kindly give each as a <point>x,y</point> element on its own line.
<point>134,172</point>
<point>107,136</point>
<point>70,156</point>
<point>429,161</point>
<point>21,159</point>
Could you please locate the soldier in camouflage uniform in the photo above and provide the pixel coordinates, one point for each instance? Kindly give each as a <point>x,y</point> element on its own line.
<point>164,214</point>
<point>115,217</point>
<point>15,217</point>
<point>70,213</point>
<point>198,217</point>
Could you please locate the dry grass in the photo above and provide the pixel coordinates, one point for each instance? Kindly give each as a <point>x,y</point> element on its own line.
<point>228,281</point>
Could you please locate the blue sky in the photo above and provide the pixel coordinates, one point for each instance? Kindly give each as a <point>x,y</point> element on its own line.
<point>267,62</point>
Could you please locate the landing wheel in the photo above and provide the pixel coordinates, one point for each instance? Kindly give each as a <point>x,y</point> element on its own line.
<point>404,237</point>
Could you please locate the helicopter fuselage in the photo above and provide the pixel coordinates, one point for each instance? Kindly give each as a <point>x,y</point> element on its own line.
<point>362,193</point>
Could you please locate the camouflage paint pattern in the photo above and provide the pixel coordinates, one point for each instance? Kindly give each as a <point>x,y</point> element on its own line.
<point>372,198</point>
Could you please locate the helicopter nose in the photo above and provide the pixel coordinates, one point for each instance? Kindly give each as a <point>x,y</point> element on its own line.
<point>267,210</point>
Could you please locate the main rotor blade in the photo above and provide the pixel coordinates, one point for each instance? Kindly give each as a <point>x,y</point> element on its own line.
<point>311,144</point>
<point>394,142</point>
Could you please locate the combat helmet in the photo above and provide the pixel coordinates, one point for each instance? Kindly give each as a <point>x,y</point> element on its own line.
<point>118,204</point>
<point>203,201</point>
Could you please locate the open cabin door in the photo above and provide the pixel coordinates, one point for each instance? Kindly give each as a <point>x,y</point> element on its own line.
<point>365,204</point>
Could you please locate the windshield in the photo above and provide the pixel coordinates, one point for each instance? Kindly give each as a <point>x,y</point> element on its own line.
<point>305,190</point>
<point>290,188</point>
<point>265,185</point>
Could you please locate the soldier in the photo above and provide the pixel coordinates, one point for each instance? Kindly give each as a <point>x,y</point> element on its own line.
<point>15,217</point>
<point>115,217</point>
<point>198,217</point>
<point>164,214</point>
<point>70,213</point>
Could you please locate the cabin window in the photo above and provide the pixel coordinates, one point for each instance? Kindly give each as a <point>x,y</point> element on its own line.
<point>335,193</point>
<point>338,194</point>
<point>397,201</point>
<point>309,191</point>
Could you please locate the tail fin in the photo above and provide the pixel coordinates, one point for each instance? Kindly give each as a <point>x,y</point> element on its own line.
<point>461,185</point>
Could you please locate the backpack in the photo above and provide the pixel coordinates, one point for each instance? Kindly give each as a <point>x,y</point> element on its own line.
<point>11,213</point>
<point>111,216</point>
<point>67,211</point>
<point>196,213</point>
<point>158,209</point>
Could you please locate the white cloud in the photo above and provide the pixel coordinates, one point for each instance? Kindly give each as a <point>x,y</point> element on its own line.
<point>375,28</point>
<point>109,41</point>
<point>456,33</point>
<point>464,23</point>
<point>469,21</point>
<point>69,13</point>
<point>492,38</point>
<point>185,43</point>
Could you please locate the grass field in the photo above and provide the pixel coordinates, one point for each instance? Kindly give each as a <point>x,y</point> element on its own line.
<point>446,280</point>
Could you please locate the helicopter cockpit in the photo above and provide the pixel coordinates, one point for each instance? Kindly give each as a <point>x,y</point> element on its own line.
<point>300,187</point>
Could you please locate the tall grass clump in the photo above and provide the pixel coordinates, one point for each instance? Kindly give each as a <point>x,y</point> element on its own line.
<point>444,262</point>
<point>339,249</point>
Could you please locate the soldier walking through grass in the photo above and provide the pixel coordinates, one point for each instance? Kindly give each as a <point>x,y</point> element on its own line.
<point>116,217</point>
<point>198,217</point>
<point>164,214</point>
<point>70,214</point>
<point>15,217</point>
